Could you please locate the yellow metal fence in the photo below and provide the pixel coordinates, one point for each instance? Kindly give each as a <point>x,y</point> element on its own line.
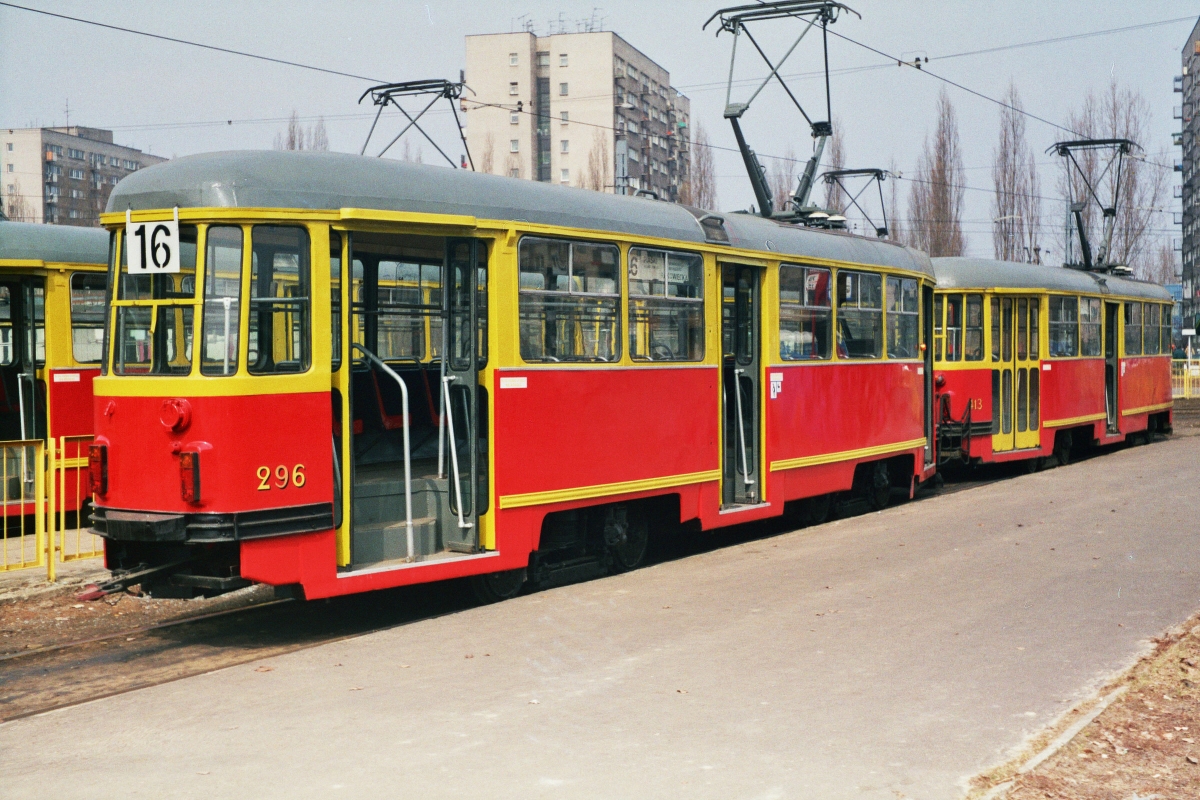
<point>44,504</point>
<point>1185,379</point>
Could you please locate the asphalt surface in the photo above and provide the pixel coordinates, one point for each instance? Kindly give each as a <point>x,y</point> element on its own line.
<point>889,655</point>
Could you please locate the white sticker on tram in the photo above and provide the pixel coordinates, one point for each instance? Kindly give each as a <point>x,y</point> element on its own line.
<point>514,383</point>
<point>776,384</point>
<point>1046,367</point>
<point>66,377</point>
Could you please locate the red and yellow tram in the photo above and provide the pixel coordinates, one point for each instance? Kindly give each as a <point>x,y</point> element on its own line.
<point>1031,361</point>
<point>364,373</point>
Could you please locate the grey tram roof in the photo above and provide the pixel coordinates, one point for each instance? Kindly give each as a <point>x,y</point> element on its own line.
<point>306,180</point>
<point>986,273</point>
<point>63,244</point>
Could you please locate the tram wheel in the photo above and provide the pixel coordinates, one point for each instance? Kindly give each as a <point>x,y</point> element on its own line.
<point>497,586</point>
<point>881,487</point>
<point>818,508</point>
<point>1032,465</point>
<point>1062,449</point>
<point>630,553</point>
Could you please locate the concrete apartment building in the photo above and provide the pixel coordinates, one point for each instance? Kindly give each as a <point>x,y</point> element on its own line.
<point>580,109</point>
<point>63,175</point>
<point>1188,83</point>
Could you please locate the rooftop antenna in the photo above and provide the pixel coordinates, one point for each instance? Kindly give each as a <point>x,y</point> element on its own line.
<point>1100,261</point>
<point>736,21</point>
<point>387,94</point>
<point>839,177</point>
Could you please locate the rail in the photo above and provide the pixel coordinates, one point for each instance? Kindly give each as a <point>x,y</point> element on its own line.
<point>408,522</point>
<point>1185,379</point>
<point>449,415</point>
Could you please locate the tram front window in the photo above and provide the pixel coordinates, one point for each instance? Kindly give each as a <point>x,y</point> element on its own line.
<point>145,345</point>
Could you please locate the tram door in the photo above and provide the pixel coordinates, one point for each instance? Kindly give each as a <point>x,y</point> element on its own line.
<point>1016,380</point>
<point>1112,312</point>
<point>22,350</point>
<point>741,368</point>
<point>927,355</point>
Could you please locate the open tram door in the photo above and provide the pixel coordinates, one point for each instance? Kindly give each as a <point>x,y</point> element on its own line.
<point>417,330</point>
<point>741,394</point>
<point>927,387</point>
<point>22,354</point>
<point>1016,380</point>
<point>1112,364</point>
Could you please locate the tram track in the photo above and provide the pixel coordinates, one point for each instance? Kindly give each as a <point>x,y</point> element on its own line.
<point>68,673</point>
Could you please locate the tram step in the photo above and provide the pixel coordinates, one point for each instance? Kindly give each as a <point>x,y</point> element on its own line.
<point>385,543</point>
<point>375,507</point>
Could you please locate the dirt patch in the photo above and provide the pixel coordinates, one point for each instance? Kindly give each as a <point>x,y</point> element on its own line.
<point>1145,745</point>
<point>1187,414</point>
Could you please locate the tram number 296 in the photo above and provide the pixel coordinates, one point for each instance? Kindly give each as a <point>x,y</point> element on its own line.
<point>280,477</point>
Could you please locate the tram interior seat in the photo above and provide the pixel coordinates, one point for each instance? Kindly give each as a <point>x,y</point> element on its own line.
<point>378,406</point>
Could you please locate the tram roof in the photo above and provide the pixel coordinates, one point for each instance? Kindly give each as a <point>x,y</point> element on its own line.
<point>986,273</point>
<point>63,244</point>
<point>309,180</point>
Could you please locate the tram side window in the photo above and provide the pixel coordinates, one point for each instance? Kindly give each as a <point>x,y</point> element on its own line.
<point>1168,338</point>
<point>335,298</point>
<point>1035,344</point>
<point>222,300</point>
<point>1090,340</point>
<point>995,329</point>
<point>903,318</point>
<point>1133,329</point>
<point>860,315</point>
<point>954,327</point>
<point>165,347</point>
<point>1150,312</point>
<point>939,325</point>
<point>569,300</point>
<point>8,352</point>
<point>1064,327</point>
<point>87,317</point>
<point>805,315</point>
<point>279,300</point>
<point>666,305</point>
<point>973,329</point>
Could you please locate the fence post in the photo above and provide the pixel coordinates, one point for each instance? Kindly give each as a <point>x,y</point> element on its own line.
<point>44,502</point>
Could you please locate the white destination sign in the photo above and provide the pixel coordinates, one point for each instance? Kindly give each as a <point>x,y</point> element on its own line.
<point>152,248</point>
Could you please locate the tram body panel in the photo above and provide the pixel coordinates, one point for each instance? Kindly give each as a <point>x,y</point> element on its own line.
<point>1145,388</point>
<point>1072,391</point>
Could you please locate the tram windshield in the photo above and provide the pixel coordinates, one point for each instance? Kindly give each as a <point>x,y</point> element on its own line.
<point>153,331</point>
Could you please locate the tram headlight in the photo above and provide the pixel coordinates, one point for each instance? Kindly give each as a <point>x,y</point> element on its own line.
<point>189,476</point>
<point>98,468</point>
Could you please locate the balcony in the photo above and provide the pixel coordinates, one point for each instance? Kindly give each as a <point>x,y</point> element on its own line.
<point>1177,112</point>
<point>1177,139</point>
<point>1179,191</point>
<point>1178,83</point>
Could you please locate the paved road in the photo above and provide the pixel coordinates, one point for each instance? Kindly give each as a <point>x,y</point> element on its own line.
<point>885,656</point>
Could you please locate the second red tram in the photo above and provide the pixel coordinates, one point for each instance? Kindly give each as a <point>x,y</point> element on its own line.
<point>367,373</point>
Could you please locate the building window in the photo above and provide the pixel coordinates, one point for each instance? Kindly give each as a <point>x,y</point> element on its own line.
<point>73,214</point>
<point>113,161</point>
<point>565,176</point>
<point>562,89</point>
<point>512,59</point>
<point>562,59</point>
<point>76,154</point>
<point>514,118</point>
<point>9,146</point>
<point>543,59</point>
<point>565,117</point>
<point>565,146</point>
<point>512,88</point>
<point>514,146</point>
<point>515,172</point>
<point>10,167</point>
<point>77,174</point>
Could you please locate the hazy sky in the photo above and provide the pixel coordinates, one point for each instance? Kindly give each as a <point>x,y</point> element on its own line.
<point>172,99</point>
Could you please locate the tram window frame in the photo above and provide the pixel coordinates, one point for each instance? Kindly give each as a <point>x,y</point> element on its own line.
<point>954,327</point>
<point>994,311</point>
<point>335,300</point>
<point>173,322</point>
<point>1151,334</point>
<point>266,312</point>
<point>851,313</point>
<point>656,300</point>
<point>902,320</point>
<point>939,325</point>
<point>1035,331</point>
<point>8,349</point>
<point>1022,306</point>
<point>973,330</point>
<point>1168,332</point>
<point>87,316</point>
<point>1091,340</point>
<point>1064,326</point>
<point>214,306</point>
<point>597,294</point>
<point>801,311</point>
<point>1132,316</point>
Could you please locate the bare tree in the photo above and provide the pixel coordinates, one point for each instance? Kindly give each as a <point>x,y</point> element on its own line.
<point>782,179</point>
<point>1119,113</point>
<point>1016,206</point>
<point>488,157</point>
<point>317,138</point>
<point>1163,267</point>
<point>835,199</point>
<point>599,165</point>
<point>297,137</point>
<point>935,204</point>
<point>409,153</point>
<point>16,206</point>
<point>704,176</point>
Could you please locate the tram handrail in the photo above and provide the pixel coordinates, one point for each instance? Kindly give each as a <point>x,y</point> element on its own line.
<point>741,430</point>
<point>408,521</point>
<point>449,415</point>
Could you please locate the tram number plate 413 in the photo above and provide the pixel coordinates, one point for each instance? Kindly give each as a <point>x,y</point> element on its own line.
<point>152,248</point>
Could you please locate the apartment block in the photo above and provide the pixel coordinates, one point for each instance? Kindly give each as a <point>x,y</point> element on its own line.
<point>62,175</point>
<point>582,109</point>
<point>1188,85</point>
